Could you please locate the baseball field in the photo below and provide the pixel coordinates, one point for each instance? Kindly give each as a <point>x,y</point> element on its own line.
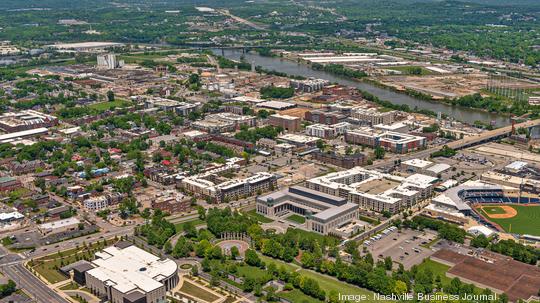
<point>518,219</point>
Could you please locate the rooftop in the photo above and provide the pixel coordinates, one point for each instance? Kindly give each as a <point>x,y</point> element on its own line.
<point>131,268</point>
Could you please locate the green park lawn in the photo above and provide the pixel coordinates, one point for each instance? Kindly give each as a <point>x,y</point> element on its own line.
<point>102,106</point>
<point>527,220</point>
<point>191,289</point>
<point>327,283</point>
<point>296,219</point>
<point>195,222</point>
<point>262,219</point>
<point>297,296</point>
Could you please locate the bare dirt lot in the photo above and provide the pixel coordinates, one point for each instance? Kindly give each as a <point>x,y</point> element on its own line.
<point>448,86</point>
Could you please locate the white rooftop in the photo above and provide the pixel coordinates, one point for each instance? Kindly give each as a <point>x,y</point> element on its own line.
<point>132,268</point>
<point>418,163</point>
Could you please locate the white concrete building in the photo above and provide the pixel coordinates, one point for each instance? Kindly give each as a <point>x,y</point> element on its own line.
<point>130,275</point>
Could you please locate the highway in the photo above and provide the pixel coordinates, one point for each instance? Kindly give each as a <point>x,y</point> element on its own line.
<point>31,284</point>
<point>458,144</point>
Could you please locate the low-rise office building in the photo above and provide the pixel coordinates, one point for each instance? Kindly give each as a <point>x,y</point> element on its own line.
<point>237,120</point>
<point>345,161</point>
<point>286,122</point>
<point>391,141</point>
<point>327,131</point>
<point>172,202</point>
<point>324,213</point>
<point>323,117</point>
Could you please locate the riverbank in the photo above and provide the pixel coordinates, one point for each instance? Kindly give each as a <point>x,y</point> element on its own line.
<point>467,115</point>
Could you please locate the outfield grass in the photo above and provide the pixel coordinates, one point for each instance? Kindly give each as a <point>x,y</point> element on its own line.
<point>297,219</point>
<point>527,220</point>
<point>191,289</point>
<point>262,219</point>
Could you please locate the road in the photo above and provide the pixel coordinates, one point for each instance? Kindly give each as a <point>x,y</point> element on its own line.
<point>226,12</point>
<point>33,286</point>
<point>458,144</point>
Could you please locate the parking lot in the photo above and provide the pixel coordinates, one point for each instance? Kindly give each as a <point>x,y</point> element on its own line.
<point>405,247</point>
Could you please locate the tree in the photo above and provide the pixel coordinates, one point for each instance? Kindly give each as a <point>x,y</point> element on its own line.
<point>202,212</point>
<point>480,241</point>
<point>400,287</point>
<point>252,258</point>
<point>234,252</point>
<point>388,263</point>
<point>110,96</point>
<point>379,152</point>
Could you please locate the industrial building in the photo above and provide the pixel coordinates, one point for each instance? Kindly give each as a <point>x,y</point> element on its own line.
<point>109,61</point>
<point>324,213</point>
<point>373,190</point>
<point>90,47</point>
<point>127,274</point>
<point>26,120</point>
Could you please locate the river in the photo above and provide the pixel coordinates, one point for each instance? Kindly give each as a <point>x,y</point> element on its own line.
<point>467,115</point>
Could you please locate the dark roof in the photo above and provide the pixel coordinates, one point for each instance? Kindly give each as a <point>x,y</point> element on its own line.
<point>134,296</point>
<point>123,244</point>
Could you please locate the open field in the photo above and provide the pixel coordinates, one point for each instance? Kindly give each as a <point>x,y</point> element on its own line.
<point>109,104</point>
<point>526,221</point>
